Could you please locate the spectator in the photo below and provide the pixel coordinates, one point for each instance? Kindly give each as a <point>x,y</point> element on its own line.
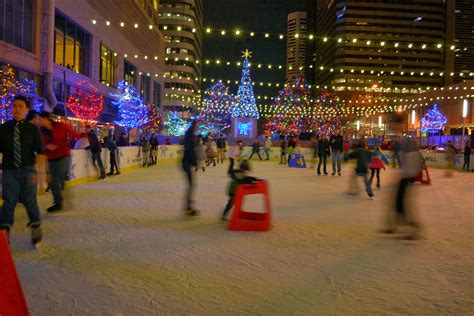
<point>96,150</point>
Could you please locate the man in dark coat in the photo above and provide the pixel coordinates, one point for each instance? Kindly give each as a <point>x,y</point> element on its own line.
<point>189,162</point>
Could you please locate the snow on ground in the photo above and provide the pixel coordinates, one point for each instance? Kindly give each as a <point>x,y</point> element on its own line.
<point>124,248</point>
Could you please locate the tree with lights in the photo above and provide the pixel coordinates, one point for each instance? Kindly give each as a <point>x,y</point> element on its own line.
<point>215,110</point>
<point>177,126</point>
<point>85,101</point>
<point>329,118</point>
<point>154,119</point>
<point>133,112</point>
<point>434,121</point>
<point>293,111</point>
<point>244,102</point>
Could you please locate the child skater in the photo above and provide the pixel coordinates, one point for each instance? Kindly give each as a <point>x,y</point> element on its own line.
<point>201,154</point>
<point>377,163</point>
<point>239,176</point>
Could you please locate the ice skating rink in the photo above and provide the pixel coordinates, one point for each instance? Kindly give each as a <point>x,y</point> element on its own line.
<point>125,248</point>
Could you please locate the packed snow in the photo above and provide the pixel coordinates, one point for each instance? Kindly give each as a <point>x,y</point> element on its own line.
<point>124,247</point>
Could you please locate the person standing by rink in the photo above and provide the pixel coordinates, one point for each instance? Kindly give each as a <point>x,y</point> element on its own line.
<point>154,143</point>
<point>96,149</point>
<point>363,156</point>
<point>411,165</point>
<point>283,152</point>
<point>314,146</point>
<point>201,155</point>
<point>336,142</point>
<point>189,161</point>
<point>323,152</point>
<point>56,137</point>
<point>221,149</point>
<point>256,149</point>
<point>267,147</point>
<point>22,149</point>
<point>211,149</point>
<point>113,150</point>
<point>467,155</point>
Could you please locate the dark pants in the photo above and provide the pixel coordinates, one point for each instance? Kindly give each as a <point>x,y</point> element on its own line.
<point>231,165</point>
<point>18,182</point>
<point>113,162</point>
<point>396,158</point>
<point>375,171</point>
<point>97,160</point>
<point>229,205</point>
<point>467,161</point>
<point>322,158</point>
<point>255,152</point>
<point>58,170</point>
<point>400,205</point>
<point>189,176</point>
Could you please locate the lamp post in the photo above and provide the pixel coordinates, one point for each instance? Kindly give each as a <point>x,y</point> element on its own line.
<point>464,115</point>
<point>413,119</point>
<point>358,127</point>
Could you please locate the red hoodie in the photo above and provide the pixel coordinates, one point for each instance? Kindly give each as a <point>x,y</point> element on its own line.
<point>59,135</point>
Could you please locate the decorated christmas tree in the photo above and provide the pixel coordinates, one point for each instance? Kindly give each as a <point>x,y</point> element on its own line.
<point>154,123</point>
<point>244,102</point>
<point>177,126</point>
<point>434,121</point>
<point>85,102</point>
<point>215,110</point>
<point>293,112</point>
<point>328,116</point>
<point>132,110</point>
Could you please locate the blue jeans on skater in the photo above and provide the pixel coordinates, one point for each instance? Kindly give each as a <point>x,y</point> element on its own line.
<point>58,169</point>
<point>336,156</point>
<point>368,186</point>
<point>16,182</point>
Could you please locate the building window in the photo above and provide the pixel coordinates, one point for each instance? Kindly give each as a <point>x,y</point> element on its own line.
<point>108,65</point>
<point>157,94</point>
<point>16,23</point>
<point>71,45</point>
<point>129,72</point>
<point>145,88</point>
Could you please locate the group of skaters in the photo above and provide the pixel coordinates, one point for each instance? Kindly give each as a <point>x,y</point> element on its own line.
<point>210,152</point>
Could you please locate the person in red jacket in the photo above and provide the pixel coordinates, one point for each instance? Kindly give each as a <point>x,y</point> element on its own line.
<point>56,137</point>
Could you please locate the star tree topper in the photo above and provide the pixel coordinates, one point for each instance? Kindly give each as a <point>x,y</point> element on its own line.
<point>247,54</point>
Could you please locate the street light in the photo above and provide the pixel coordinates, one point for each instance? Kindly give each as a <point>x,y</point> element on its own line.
<point>380,121</point>
<point>464,115</point>
<point>413,119</point>
<point>358,127</point>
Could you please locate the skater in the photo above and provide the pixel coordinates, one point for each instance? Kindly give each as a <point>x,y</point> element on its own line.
<point>411,166</point>
<point>267,147</point>
<point>163,150</point>
<point>323,152</point>
<point>235,154</point>
<point>145,149</point>
<point>467,155</point>
<point>283,152</point>
<point>56,137</point>
<point>22,148</point>
<point>450,158</point>
<point>188,162</point>
<point>113,152</point>
<point>221,149</point>
<point>154,143</point>
<point>314,146</point>
<point>96,149</point>
<point>238,176</point>
<point>201,155</point>
<point>363,156</point>
<point>255,149</point>
<point>336,143</point>
<point>211,151</point>
<point>377,163</point>
<point>396,153</point>
<point>346,147</point>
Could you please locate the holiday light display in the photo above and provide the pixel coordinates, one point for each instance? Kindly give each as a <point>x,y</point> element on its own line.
<point>85,102</point>
<point>133,112</point>
<point>154,119</point>
<point>244,103</point>
<point>331,119</point>
<point>176,125</point>
<point>293,111</point>
<point>215,110</point>
<point>434,121</point>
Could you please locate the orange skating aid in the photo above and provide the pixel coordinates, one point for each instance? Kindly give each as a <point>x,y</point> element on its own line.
<point>423,180</point>
<point>250,221</point>
<point>12,300</point>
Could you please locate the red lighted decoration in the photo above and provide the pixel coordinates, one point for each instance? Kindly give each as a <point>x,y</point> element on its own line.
<point>154,119</point>
<point>85,102</point>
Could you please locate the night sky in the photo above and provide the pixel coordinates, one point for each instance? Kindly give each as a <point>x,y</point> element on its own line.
<point>247,15</point>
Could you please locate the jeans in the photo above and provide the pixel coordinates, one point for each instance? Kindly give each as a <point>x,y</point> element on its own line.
<point>396,158</point>
<point>336,156</point>
<point>220,154</point>
<point>400,205</point>
<point>322,158</point>
<point>97,159</point>
<point>368,187</point>
<point>255,152</point>
<point>189,176</point>
<point>231,165</point>
<point>16,182</point>
<point>375,171</point>
<point>267,153</point>
<point>113,162</point>
<point>467,161</point>
<point>58,170</point>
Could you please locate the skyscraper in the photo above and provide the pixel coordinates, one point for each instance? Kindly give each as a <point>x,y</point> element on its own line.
<point>296,45</point>
<point>182,24</point>
<point>401,47</point>
<point>464,39</point>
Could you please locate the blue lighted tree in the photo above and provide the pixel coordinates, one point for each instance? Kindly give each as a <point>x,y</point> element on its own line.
<point>132,110</point>
<point>245,105</point>
<point>434,120</point>
<point>214,111</point>
<point>177,126</point>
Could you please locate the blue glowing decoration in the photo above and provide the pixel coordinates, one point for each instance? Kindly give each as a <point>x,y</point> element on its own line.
<point>418,19</point>
<point>24,87</point>
<point>341,15</point>
<point>434,120</point>
<point>245,105</point>
<point>244,128</point>
<point>133,112</point>
<point>176,125</point>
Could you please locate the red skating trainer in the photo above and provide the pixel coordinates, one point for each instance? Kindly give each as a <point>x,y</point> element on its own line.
<point>12,300</point>
<point>250,221</point>
<point>423,180</point>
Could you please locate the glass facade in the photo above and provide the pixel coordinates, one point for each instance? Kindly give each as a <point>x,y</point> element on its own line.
<point>108,66</point>
<point>129,71</point>
<point>16,23</point>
